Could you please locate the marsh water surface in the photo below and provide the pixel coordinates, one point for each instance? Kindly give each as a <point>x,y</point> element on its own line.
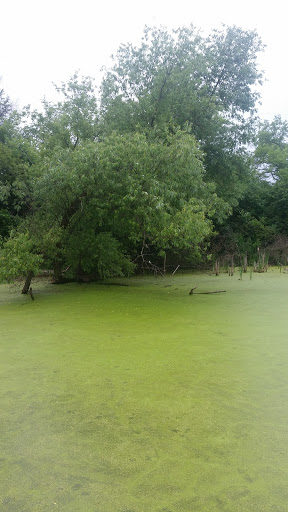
<point>144,398</point>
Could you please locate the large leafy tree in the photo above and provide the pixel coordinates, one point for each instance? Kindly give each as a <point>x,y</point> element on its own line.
<point>25,148</point>
<point>160,161</point>
<point>183,76</point>
<point>179,76</point>
<point>97,205</point>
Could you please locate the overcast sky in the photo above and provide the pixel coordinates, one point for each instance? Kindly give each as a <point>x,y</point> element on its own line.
<point>43,42</point>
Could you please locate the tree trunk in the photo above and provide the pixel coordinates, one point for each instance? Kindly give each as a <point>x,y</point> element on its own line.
<point>231,267</point>
<point>245,262</point>
<point>80,273</point>
<point>164,264</point>
<point>26,286</point>
<point>57,272</point>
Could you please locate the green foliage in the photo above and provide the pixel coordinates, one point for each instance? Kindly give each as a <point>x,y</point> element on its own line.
<point>109,196</point>
<point>277,207</point>
<point>108,258</point>
<point>18,257</point>
<point>181,77</point>
<point>6,223</point>
<point>232,68</point>
<point>69,121</point>
<point>16,159</point>
<point>161,164</point>
<point>271,153</point>
<point>271,162</point>
<point>249,227</point>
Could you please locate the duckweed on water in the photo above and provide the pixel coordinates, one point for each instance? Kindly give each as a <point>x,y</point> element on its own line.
<point>143,398</point>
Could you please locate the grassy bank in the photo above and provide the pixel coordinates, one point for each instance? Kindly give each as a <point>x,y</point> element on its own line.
<point>143,398</point>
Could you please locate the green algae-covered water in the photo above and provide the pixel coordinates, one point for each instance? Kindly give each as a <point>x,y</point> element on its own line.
<point>144,398</point>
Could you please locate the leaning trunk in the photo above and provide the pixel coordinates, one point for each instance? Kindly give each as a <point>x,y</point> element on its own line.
<point>28,280</point>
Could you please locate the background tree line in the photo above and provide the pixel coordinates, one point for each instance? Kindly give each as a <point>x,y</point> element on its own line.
<point>166,163</point>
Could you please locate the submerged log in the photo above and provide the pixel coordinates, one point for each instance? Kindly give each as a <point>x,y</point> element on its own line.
<point>204,293</point>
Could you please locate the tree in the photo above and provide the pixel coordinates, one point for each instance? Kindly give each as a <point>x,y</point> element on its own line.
<point>181,77</point>
<point>260,221</point>
<point>18,258</point>
<point>162,162</point>
<point>95,206</point>
<point>71,120</point>
<point>16,159</point>
<point>241,237</point>
<point>271,152</point>
<point>271,163</point>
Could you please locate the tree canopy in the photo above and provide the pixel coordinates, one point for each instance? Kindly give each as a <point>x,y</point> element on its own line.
<point>165,159</point>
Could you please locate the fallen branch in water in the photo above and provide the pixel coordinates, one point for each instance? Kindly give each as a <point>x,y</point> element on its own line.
<point>204,293</point>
